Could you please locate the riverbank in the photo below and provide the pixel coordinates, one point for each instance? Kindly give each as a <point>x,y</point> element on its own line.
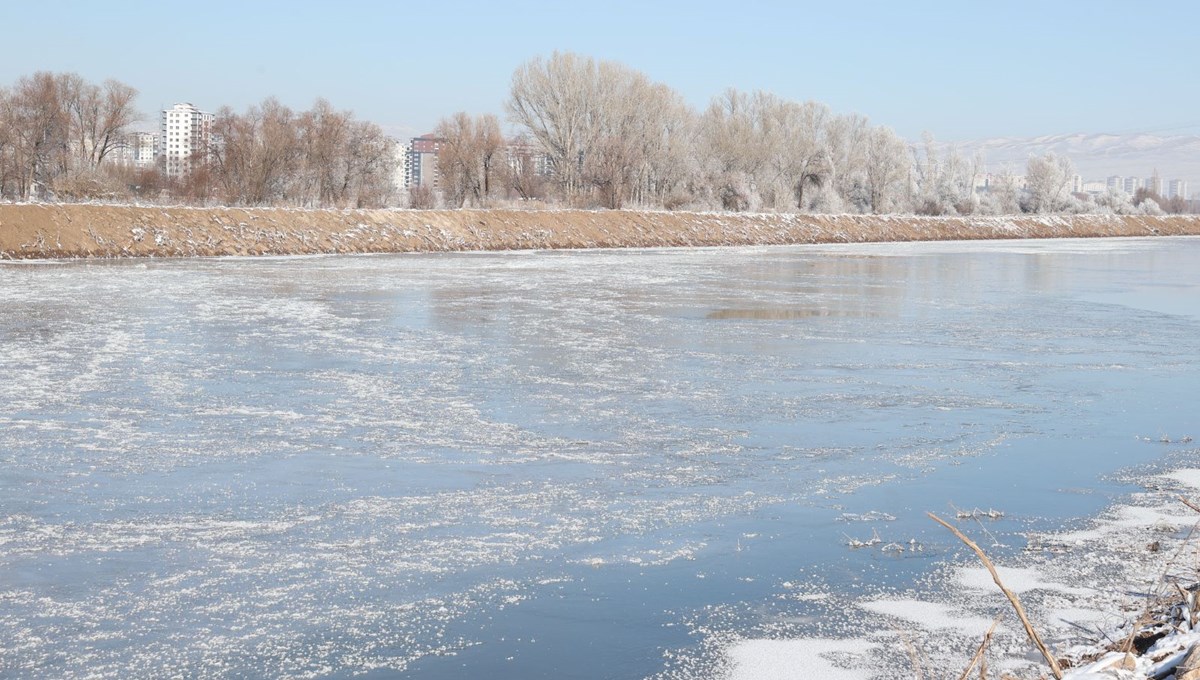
<point>38,231</point>
<point>1113,597</point>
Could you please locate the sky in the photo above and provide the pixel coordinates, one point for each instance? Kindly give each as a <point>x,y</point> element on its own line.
<point>960,70</point>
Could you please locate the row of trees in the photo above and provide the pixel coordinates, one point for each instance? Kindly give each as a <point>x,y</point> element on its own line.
<point>589,134</point>
<point>271,155</point>
<point>613,138</point>
<point>57,131</point>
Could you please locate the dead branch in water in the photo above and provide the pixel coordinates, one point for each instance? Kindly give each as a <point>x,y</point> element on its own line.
<point>1012,597</point>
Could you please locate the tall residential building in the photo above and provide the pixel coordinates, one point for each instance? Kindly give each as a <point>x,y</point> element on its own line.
<point>421,170</point>
<point>142,146</point>
<point>1116,182</point>
<point>184,137</point>
<point>1154,183</point>
<point>1132,184</point>
<point>1177,187</point>
<point>400,173</point>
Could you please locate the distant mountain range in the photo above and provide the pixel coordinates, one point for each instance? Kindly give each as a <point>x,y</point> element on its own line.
<point>1097,156</point>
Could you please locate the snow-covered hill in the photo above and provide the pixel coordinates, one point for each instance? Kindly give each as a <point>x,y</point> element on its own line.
<point>1096,156</point>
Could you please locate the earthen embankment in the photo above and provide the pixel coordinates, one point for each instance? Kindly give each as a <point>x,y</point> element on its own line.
<point>84,230</point>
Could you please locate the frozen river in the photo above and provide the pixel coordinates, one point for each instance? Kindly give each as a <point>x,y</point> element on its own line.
<point>558,464</point>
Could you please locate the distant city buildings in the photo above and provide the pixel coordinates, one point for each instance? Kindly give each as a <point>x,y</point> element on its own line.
<point>418,161</point>
<point>184,139</point>
<point>1167,189</point>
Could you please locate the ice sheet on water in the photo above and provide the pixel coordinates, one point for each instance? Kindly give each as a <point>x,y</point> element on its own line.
<point>331,465</point>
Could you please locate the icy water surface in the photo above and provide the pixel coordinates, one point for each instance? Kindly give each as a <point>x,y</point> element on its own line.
<point>563,464</point>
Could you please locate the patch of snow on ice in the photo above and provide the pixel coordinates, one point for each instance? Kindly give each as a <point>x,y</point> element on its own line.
<point>795,659</point>
<point>1187,476</point>
<point>929,615</point>
<point>1018,580</point>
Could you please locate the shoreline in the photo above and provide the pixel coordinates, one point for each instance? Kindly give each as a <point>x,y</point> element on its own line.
<point>73,231</point>
<point>1111,593</point>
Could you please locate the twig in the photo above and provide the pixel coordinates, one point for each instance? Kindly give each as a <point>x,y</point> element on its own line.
<point>914,655</point>
<point>1190,504</point>
<point>987,638</point>
<point>1012,597</point>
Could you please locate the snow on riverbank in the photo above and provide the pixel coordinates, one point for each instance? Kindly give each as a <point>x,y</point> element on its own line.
<point>1123,582</point>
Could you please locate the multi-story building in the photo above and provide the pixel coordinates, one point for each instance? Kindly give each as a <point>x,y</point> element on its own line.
<point>400,173</point>
<point>1132,184</point>
<point>1154,184</point>
<point>185,137</point>
<point>421,168</point>
<point>524,156</point>
<point>1177,187</point>
<point>142,147</point>
<point>1115,182</point>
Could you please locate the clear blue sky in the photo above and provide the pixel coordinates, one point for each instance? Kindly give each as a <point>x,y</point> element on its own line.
<point>962,70</point>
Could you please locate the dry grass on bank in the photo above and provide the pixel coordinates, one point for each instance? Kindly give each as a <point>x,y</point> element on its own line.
<point>82,230</point>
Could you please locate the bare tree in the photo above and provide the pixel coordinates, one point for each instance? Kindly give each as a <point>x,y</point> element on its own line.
<point>40,133</point>
<point>553,99</point>
<point>606,129</point>
<point>736,150</point>
<point>254,155</point>
<point>469,158</point>
<point>99,117</point>
<point>521,170</point>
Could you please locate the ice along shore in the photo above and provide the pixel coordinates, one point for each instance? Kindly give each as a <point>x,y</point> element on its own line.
<point>40,231</point>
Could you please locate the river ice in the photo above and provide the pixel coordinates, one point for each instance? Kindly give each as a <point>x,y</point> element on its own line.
<point>559,464</point>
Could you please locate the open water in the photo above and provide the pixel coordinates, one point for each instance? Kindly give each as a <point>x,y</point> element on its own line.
<point>600,464</point>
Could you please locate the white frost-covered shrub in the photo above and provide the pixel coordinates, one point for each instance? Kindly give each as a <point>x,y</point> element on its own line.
<point>1150,207</point>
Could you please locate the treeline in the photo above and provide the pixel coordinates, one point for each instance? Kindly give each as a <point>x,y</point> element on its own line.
<point>590,134</point>
<point>59,135</point>
<point>271,155</point>
<point>613,138</point>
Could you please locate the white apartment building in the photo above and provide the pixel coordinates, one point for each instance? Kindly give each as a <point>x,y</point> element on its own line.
<point>400,175</point>
<point>142,148</point>
<point>1154,183</point>
<point>1177,187</point>
<point>185,134</point>
<point>134,150</point>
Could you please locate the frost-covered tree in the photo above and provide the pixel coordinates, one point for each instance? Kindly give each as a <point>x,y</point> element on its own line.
<point>885,171</point>
<point>943,180</point>
<point>1048,184</point>
<point>734,149</point>
<point>1150,207</point>
<point>1116,202</point>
